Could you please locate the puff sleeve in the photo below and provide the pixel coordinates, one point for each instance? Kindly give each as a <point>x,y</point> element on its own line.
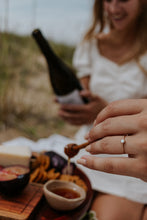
<point>82,60</point>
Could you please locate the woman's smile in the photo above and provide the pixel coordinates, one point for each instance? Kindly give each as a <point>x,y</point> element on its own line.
<point>118,17</point>
<point>122,14</point>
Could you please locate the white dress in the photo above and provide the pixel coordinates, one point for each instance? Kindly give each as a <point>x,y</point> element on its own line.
<point>107,79</point>
<point>112,82</point>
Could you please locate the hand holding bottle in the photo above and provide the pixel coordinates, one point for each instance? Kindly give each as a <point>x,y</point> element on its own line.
<point>120,118</point>
<point>64,82</point>
<point>85,113</point>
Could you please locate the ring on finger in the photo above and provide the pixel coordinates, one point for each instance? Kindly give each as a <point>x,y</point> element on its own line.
<point>123,141</point>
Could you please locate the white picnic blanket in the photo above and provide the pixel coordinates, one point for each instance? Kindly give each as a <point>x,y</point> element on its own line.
<point>128,187</point>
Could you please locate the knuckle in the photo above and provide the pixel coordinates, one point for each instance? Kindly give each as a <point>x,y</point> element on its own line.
<point>94,148</point>
<point>108,166</point>
<point>92,163</point>
<point>143,122</point>
<point>142,169</point>
<point>92,134</point>
<point>143,145</point>
<point>106,125</point>
<point>104,145</point>
<point>110,108</point>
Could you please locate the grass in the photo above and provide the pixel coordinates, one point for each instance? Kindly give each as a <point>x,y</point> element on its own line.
<point>27,104</point>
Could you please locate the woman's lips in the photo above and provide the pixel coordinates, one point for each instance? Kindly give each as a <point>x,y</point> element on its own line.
<point>117,17</point>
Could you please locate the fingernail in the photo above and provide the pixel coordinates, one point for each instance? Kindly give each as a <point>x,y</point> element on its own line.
<point>86,136</point>
<point>88,148</point>
<point>81,161</point>
<point>94,123</point>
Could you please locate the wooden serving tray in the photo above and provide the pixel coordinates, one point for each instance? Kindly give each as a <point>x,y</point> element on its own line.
<point>21,206</point>
<point>45,212</point>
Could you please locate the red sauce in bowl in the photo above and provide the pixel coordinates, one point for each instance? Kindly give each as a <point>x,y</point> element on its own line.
<point>66,193</point>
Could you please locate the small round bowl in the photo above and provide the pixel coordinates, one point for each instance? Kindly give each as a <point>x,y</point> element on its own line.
<point>59,202</point>
<point>12,182</point>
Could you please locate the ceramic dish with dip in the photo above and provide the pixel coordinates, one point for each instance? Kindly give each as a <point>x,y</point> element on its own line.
<point>63,195</point>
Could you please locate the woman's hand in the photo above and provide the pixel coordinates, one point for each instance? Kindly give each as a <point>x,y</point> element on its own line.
<point>82,114</point>
<point>121,118</point>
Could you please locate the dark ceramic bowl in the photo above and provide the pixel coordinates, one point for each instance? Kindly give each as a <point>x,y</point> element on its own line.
<point>12,183</point>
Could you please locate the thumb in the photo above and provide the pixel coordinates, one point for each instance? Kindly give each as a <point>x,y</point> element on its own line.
<point>86,94</point>
<point>90,96</point>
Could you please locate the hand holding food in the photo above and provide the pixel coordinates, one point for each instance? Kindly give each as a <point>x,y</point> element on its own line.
<point>120,128</point>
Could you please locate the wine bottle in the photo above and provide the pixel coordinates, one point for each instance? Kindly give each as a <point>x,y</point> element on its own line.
<point>64,82</point>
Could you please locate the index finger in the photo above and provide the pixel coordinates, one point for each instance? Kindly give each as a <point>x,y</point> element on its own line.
<point>114,165</point>
<point>73,107</point>
<point>121,107</point>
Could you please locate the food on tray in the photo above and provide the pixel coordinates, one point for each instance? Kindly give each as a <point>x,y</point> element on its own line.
<point>75,179</point>
<point>44,168</point>
<point>66,193</point>
<point>71,150</point>
<point>40,160</point>
<point>12,155</point>
<point>1,167</point>
<point>16,170</point>
<point>59,163</point>
<point>63,195</point>
<point>6,176</point>
<point>52,174</point>
<point>13,179</point>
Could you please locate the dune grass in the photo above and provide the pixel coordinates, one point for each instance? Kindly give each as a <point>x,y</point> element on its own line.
<point>26,98</point>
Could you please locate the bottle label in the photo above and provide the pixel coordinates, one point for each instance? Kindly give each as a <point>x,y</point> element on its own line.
<point>72,98</point>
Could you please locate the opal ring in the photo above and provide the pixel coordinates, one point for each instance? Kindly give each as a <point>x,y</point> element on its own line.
<point>123,141</point>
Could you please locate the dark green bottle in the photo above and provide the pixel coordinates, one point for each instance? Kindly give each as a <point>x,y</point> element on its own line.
<point>64,82</point>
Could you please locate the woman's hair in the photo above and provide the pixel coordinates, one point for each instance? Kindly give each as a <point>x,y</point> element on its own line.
<point>99,21</point>
<point>142,29</point>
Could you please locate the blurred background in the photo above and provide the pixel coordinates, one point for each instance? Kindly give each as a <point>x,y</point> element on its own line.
<point>27,106</point>
<point>61,20</point>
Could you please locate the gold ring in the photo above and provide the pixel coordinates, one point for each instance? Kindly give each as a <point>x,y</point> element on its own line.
<point>123,141</point>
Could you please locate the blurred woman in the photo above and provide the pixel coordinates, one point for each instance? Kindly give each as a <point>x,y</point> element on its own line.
<point>111,59</point>
<point>111,64</point>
